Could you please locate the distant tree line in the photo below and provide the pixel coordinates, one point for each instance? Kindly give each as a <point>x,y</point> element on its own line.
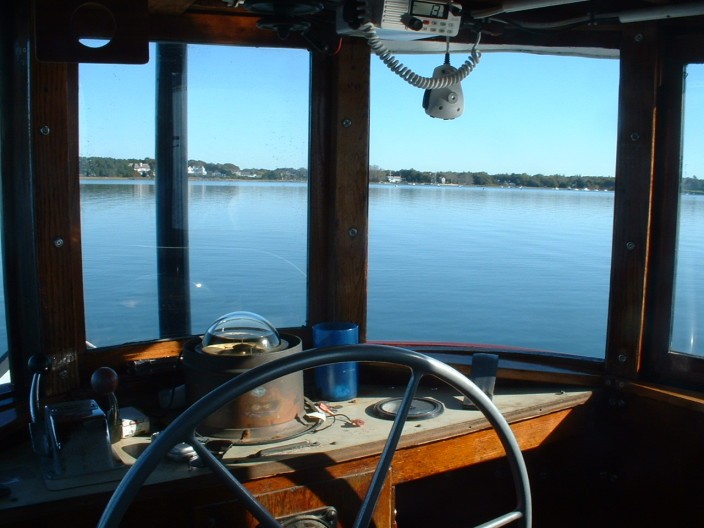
<point>124,168</point>
<point>553,181</point>
<point>110,167</point>
<point>99,167</point>
<point>693,185</point>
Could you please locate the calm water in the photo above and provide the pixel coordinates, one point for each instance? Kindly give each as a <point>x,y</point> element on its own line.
<point>524,267</point>
<point>516,267</point>
<point>504,266</point>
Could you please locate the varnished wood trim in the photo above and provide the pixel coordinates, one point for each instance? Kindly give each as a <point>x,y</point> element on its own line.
<point>660,364</point>
<point>463,451</point>
<point>172,7</point>
<point>687,399</point>
<point>54,122</point>
<point>666,186</point>
<point>632,199</point>
<point>116,357</point>
<point>346,494</point>
<point>339,181</point>
<point>206,28</point>
<point>351,192</point>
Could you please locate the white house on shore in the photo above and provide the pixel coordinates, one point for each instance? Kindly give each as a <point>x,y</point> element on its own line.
<point>197,171</point>
<point>142,168</point>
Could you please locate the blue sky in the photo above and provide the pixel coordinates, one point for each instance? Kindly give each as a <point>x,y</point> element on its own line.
<point>249,106</point>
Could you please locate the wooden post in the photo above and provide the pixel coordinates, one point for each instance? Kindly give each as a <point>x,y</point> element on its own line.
<point>54,137</point>
<point>640,63</point>
<point>339,186</point>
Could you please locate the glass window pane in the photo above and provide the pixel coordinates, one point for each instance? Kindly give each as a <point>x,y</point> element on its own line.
<point>688,313</point>
<point>248,129</point>
<point>495,227</point>
<point>117,131</point>
<point>248,156</point>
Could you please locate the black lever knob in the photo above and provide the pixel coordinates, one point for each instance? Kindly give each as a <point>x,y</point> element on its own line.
<point>104,381</point>
<point>39,364</point>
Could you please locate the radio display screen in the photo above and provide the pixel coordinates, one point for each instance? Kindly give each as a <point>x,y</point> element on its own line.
<point>429,9</point>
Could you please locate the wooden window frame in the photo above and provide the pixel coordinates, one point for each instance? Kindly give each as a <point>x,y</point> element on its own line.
<point>660,364</point>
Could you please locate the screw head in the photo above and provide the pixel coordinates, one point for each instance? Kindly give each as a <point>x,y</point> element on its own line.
<point>346,122</point>
<point>45,130</point>
<point>59,242</point>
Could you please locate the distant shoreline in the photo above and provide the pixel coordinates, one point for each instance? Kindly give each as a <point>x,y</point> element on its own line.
<point>190,178</point>
<point>198,170</point>
<point>393,184</point>
<point>404,184</point>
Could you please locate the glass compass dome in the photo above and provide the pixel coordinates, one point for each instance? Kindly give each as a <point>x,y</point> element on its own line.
<point>241,334</point>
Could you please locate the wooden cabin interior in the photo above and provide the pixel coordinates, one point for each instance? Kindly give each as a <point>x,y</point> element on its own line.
<point>612,440</point>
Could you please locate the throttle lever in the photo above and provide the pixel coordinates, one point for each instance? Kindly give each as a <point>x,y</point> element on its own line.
<point>104,381</point>
<point>38,364</point>
<point>72,438</point>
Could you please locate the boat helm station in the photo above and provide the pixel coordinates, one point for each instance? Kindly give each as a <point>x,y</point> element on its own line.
<point>251,419</point>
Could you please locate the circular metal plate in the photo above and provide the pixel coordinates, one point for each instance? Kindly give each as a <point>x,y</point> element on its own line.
<point>421,408</point>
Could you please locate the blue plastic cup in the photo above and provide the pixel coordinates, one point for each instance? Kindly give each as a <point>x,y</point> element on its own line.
<point>336,382</point>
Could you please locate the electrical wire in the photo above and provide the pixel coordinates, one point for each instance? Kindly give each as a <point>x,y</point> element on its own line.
<point>396,66</point>
<point>408,75</point>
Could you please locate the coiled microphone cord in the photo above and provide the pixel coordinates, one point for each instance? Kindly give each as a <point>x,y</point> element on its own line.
<point>408,75</point>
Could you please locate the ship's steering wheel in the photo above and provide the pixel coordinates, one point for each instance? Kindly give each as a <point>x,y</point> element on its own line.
<point>182,429</point>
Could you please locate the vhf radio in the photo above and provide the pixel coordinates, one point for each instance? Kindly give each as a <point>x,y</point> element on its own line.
<point>403,19</point>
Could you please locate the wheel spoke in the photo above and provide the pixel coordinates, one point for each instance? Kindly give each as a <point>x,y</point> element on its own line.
<point>382,469</point>
<point>237,488</point>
